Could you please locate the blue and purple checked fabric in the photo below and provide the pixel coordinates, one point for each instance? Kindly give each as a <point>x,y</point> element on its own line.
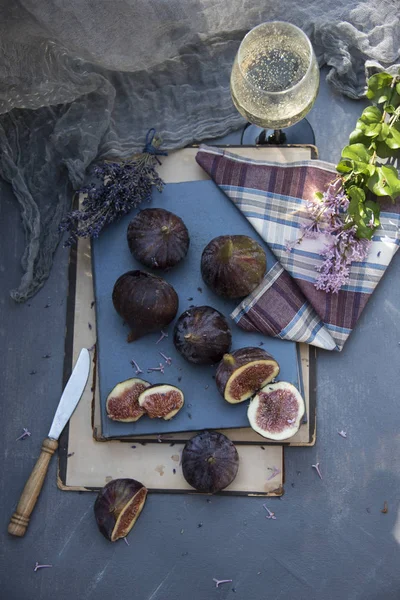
<point>286,304</point>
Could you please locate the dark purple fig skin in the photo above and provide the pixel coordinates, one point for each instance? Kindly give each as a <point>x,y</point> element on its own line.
<point>210,462</point>
<point>111,501</point>
<point>146,302</point>
<point>233,265</point>
<point>157,238</point>
<point>231,362</point>
<point>210,335</point>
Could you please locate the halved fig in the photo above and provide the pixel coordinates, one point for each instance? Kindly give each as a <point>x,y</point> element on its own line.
<point>233,265</point>
<point>117,507</point>
<point>210,462</point>
<point>161,401</point>
<point>122,402</point>
<point>276,411</point>
<point>158,238</point>
<point>241,374</point>
<point>202,335</point>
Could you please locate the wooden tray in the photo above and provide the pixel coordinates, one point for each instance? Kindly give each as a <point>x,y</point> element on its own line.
<point>86,462</point>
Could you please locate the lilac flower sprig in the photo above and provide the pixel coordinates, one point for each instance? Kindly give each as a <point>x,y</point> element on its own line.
<point>275,472</point>
<point>219,582</point>
<point>343,249</point>
<point>119,188</point>
<point>37,567</point>
<point>318,470</point>
<point>328,216</point>
<point>24,435</point>
<point>350,210</point>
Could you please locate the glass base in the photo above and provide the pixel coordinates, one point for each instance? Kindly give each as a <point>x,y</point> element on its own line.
<point>300,133</point>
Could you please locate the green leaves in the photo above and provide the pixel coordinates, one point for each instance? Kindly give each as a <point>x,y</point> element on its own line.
<point>393,138</point>
<point>385,182</point>
<point>365,214</point>
<point>357,153</point>
<point>371,114</point>
<point>356,159</point>
<point>382,150</point>
<point>370,122</point>
<point>376,136</point>
<point>379,87</point>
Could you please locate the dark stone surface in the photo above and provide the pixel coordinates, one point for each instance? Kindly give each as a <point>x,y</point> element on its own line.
<point>330,540</point>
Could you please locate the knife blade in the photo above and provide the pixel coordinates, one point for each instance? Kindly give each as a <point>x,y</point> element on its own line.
<point>66,406</point>
<point>71,395</point>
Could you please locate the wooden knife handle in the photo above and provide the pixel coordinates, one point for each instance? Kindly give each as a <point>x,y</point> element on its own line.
<point>20,520</point>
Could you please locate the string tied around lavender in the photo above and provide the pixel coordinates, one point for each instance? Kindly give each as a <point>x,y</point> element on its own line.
<point>119,187</point>
<point>152,145</point>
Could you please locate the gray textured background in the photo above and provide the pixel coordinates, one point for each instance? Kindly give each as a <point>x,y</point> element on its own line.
<point>330,539</point>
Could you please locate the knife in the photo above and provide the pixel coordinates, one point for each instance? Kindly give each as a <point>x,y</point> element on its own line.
<point>68,402</point>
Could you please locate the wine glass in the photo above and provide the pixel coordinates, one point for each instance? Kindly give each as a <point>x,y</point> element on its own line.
<point>274,83</point>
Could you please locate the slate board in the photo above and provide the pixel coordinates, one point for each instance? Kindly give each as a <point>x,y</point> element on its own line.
<point>207,213</point>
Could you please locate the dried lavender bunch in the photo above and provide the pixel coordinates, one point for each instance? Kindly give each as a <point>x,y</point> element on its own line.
<point>120,187</point>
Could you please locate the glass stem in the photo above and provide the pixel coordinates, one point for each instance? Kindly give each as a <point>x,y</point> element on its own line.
<point>277,138</point>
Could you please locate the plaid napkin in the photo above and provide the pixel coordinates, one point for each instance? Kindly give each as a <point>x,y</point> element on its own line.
<point>286,304</point>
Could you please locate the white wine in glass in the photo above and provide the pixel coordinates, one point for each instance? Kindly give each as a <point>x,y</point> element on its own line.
<point>275,77</point>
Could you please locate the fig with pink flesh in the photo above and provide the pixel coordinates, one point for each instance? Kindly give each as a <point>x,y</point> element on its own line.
<point>233,265</point>
<point>161,401</point>
<point>117,507</point>
<point>202,335</point>
<point>210,462</point>
<point>122,402</point>
<point>157,238</point>
<point>276,411</point>
<point>241,374</point>
<point>146,302</point>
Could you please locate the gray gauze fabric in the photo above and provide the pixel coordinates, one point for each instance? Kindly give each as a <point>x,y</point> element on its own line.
<point>81,80</point>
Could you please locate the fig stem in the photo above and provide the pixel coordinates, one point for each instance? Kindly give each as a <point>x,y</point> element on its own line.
<point>228,359</point>
<point>226,251</point>
<point>165,229</point>
<point>211,460</point>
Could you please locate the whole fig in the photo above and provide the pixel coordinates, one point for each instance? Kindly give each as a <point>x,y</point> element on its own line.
<point>146,302</point>
<point>210,462</point>
<point>158,238</point>
<point>233,265</point>
<point>202,335</point>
